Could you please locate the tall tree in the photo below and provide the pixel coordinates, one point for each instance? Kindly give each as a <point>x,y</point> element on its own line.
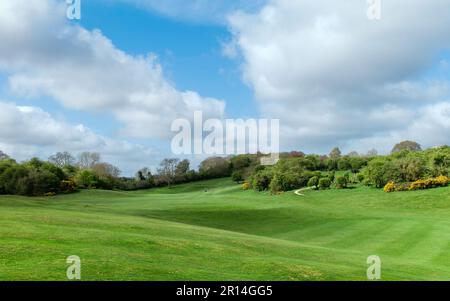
<point>182,167</point>
<point>62,159</point>
<point>335,153</point>
<point>215,167</point>
<point>105,171</point>
<point>88,160</point>
<point>167,170</point>
<point>406,145</point>
<point>143,174</point>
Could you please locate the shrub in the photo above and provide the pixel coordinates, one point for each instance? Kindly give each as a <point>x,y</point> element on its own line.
<point>67,186</point>
<point>442,180</point>
<point>86,179</point>
<point>347,175</point>
<point>10,177</point>
<point>419,184</point>
<point>341,182</point>
<point>40,182</point>
<point>261,180</point>
<point>283,182</point>
<point>279,183</point>
<point>237,176</point>
<point>246,186</point>
<point>240,162</point>
<point>389,187</point>
<point>31,178</point>
<point>380,171</point>
<point>429,183</point>
<point>332,175</point>
<point>410,168</point>
<point>402,187</point>
<point>360,178</point>
<point>324,183</point>
<point>313,182</point>
<point>357,163</point>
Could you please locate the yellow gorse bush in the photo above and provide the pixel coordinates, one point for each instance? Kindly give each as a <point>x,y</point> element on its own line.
<point>246,186</point>
<point>418,185</point>
<point>389,187</point>
<point>442,180</point>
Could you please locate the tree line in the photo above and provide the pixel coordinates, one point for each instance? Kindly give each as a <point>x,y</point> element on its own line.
<point>65,173</point>
<point>407,167</point>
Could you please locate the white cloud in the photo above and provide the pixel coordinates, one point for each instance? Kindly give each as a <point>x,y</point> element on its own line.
<point>334,77</point>
<point>30,131</point>
<point>430,125</point>
<point>45,55</point>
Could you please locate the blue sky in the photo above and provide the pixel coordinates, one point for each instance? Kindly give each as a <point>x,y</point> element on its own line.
<point>114,81</point>
<point>190,52</point>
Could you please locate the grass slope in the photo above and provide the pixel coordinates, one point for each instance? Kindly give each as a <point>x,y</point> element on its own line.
<point>212,230</point>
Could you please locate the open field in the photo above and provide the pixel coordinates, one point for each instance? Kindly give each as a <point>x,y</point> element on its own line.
<point>215,231</point>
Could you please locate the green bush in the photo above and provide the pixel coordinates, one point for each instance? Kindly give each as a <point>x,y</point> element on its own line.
<point>341,182</point>
<point>380,171</point>
<point>324,183</point>
<point>360,178</point>
<point>68,186</point>
<point>31,178</point>
<point>86,179</point>
<point>348,176</point>
<point>237,176</point>
<point>344,163</point>
<point>332,176</point>
<point>283,182</point>
<point>261,180</point>
<point>313,182</point>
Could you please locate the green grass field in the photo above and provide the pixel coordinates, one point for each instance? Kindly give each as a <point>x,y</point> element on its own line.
<point>215,231</point>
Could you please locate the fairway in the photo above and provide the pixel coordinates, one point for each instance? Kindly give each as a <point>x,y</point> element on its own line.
<point>213,230</point>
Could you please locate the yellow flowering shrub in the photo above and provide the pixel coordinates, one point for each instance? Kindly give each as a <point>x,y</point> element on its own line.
<point>402,187</point>
<point>246,186</point>
<point>442,180</point>
<point>430,183</point>
<point>418,185</point>
<point>389,187</point>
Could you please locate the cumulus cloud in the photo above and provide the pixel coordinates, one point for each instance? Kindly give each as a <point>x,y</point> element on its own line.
<point>43,54</point>
<point>334,77</point>
<point>30,131</point>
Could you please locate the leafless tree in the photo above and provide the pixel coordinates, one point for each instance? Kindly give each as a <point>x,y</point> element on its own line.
<point>167,170</point>
<point>62,159</point>
<point>106,170</point>
<point>353,154</point>
<point>88,160</point>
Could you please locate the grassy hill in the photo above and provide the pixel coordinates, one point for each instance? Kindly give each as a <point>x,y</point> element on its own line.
<point>213,230</point>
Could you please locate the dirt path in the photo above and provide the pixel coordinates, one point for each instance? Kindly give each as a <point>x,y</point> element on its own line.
<point>299,191</point>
